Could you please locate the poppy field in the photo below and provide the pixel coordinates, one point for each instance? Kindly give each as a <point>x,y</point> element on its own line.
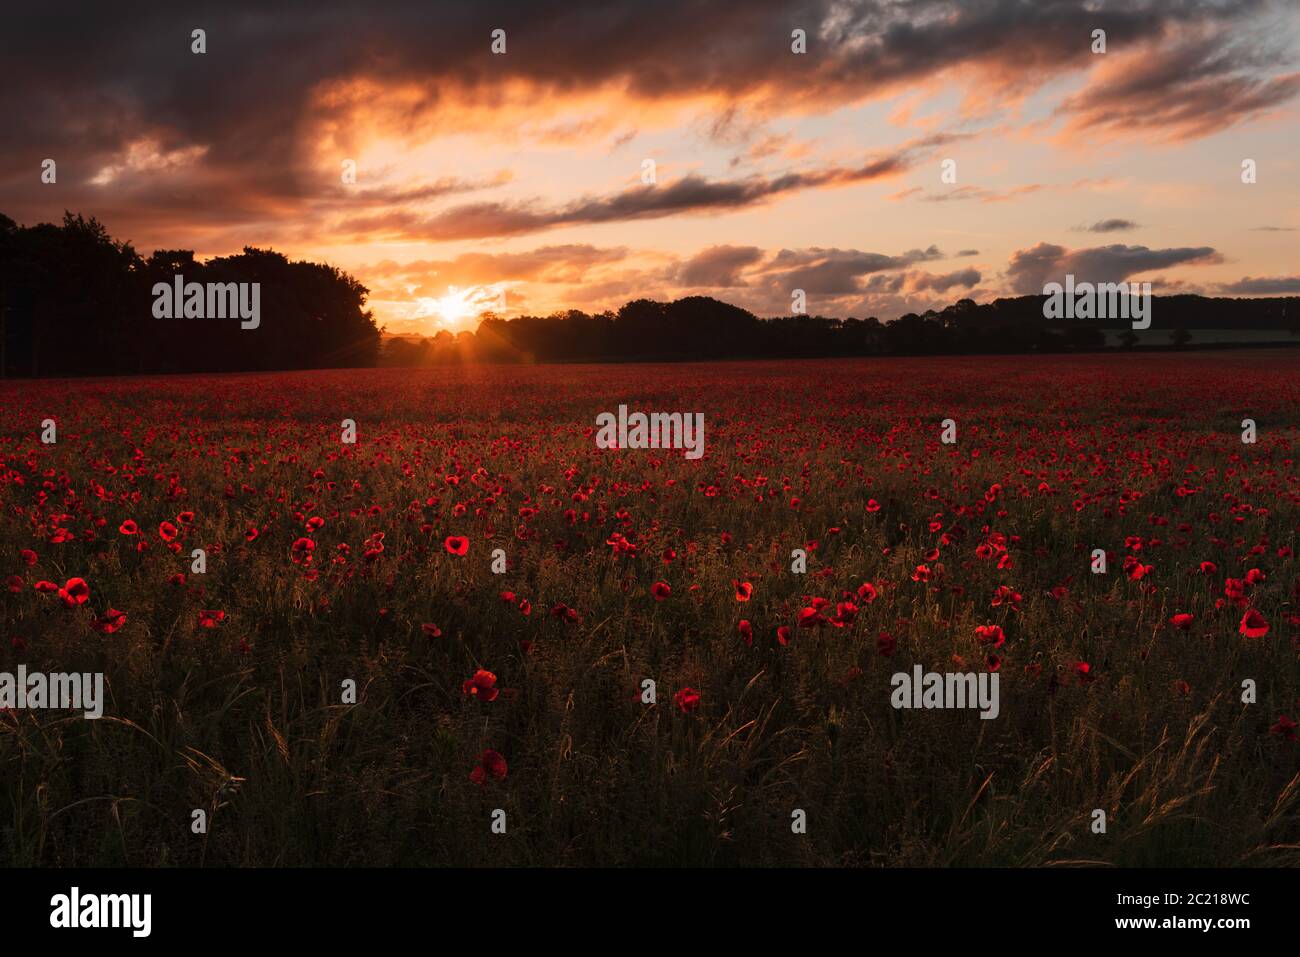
<point>473,614</point>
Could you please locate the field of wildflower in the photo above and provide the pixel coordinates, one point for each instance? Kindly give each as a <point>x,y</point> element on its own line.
<point>1163,692</point>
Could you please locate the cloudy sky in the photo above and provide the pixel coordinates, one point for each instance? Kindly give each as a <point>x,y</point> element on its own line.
<point>519,178</point>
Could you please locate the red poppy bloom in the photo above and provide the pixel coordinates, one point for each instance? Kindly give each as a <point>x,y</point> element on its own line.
<point>747,631</point>
<point>491,765</point>
<point>1253,624</point>
<point>110,621</point>
<point>75,592</point>
<point>564,611</point>
<point>873,505</point>
<point>1182,620</point>
<point>210,619</point>
<point>783,635</point>
<point>14,583</point>
<point>129,527</point>
<point>28,556</point>
<point>251,534</point>
<point>867,592</point>
<point>482,686</point>
<point>743,590</point>
<point>432,630</point>
<point>168,531</point>
<point>810,616</point>
<point>457,544</point>
<point>687,700</point>
<point>1285,728</point>
<point>660,590</point>
<point>990,635</point>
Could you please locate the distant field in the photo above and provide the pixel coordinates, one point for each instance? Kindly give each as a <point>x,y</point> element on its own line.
<point>328,562</point>
<point>1204,337</point>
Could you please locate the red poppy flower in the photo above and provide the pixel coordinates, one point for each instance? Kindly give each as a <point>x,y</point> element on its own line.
<point>457,544</point>
<point>168,531</point>
<point>564,611</point>
<point>482,686</point>
<point>210,619</point>
<point>660,590</point>
<point>1182,620</point>
<point>28,556</point>
<point>746,631</point>
<point>110,621</point>
<point>491,765</point>
<point>743,590</point>
<point>14,583</point>
<point>783,635</point>
<point>251,534</point>
<point>1253,624</point>
<point>129,527</point>
<point>867,592</point>
<point>75,592</point>
<point>873,505</point>
<point>432,630</point>
<point>687,700</point>
<point>990,635</point>
<point>1285,728</point>
<point>810,616</point>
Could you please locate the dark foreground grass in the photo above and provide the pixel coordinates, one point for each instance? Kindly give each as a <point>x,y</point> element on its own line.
<point>1138,455</point>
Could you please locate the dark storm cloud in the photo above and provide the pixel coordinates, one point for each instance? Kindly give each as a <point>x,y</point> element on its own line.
<point>1263,286</point>
<point>1109,226</point>
<point>1031,268</point>
<point>83,86</point>
<point>718,266</point>
<point>691,193</point>
<point>836,272</point>
<point>963,278</point>
<point>1189,88</point>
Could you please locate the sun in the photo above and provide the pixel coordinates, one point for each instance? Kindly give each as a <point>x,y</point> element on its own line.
<point>457,307</point>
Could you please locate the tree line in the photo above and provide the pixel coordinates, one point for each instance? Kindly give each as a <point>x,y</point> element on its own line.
<point>699,327</point>
<point>74,301</point>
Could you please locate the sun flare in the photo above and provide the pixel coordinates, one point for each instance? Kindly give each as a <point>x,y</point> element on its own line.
<point>457,308</point>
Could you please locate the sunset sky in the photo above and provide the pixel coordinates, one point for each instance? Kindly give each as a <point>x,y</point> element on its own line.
<point>481,174</point>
